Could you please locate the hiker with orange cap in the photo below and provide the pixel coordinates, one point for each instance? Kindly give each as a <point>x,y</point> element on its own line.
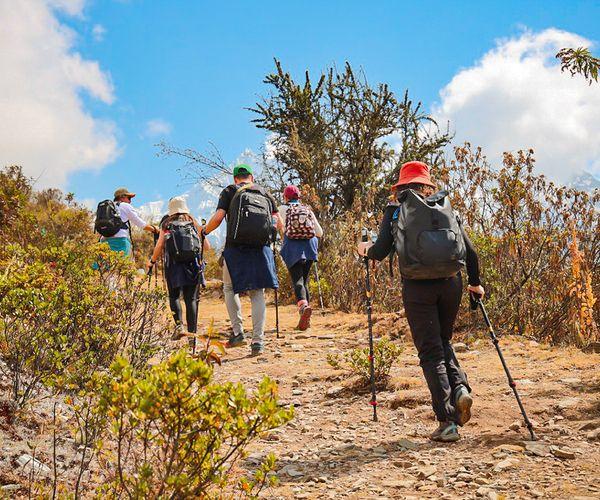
<point>301,233</point>
<point>432,248</point>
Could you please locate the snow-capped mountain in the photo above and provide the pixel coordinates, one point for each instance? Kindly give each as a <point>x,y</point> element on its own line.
<point>202,200</point>
<point>585,182</point>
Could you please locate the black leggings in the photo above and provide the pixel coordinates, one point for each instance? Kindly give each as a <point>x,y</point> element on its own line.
<point>431,307</point>
<point>299,273</point>
<point>190,297</point>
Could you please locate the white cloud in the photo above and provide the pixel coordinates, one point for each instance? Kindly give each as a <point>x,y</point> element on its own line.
<point>45,126</point>
<point>89,203</point>
<point>516,97</point>
<point>157,127</point>
<point>72,7</point>
<point>98,32</point>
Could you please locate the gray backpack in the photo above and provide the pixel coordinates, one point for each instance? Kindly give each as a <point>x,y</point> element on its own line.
<point>427,237</point>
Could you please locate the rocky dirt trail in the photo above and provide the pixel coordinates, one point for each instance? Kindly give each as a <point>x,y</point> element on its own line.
<point>333,449</point>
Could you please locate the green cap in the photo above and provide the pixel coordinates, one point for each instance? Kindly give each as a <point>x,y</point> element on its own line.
<point>242,169</point>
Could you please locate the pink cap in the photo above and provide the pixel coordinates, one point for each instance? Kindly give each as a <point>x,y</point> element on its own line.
<point>291,192</point>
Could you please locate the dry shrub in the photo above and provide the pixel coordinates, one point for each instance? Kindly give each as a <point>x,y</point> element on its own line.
<point>538,243</point>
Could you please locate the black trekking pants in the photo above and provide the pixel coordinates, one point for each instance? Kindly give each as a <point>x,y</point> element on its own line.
<point>299,273</point>
<point>431,307</point>
<point>190,297</point>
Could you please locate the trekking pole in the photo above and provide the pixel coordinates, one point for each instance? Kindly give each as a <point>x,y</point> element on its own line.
<point>365,237</point>
<point>201,277</point>
<point>318,284</point>
<point>511,382</point>
<point>155,238</point>
<point>276,292</point>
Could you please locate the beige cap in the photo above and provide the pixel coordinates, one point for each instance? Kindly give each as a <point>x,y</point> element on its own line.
<point>178,205</point>
<point>123,192</point>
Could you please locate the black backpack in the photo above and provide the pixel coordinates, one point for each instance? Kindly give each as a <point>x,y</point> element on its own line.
<point>249,218</point>
<point>108,220</point>
<point>427,237</point>
<point>183,242</point>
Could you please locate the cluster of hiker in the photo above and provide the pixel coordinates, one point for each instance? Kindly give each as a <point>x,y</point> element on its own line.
<point>419,225</point>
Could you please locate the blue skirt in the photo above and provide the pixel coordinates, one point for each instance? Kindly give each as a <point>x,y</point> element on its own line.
<point>180,274</point>
<point>294,250</point>
<point>250,268</point>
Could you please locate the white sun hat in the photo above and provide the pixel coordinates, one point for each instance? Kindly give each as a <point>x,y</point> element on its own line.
<point>178,205</point>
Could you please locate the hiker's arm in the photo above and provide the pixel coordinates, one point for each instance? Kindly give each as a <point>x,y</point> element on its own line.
<point>135,219</point>
<point>158,249</point>
<point>385,241</point>
<point>278,223</point>
<point>472,265</point>
<point>215,221</point>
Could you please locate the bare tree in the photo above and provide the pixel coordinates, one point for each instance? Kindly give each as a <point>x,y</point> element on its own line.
<point>207,167</point>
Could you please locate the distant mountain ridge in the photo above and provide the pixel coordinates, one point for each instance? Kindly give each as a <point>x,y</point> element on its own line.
<point>585,181</point>
<point>202,200</point>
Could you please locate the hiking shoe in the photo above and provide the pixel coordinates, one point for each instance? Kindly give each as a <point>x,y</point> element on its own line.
<point>179,332</point>
<point>257,349</point>
<point>236,340</point>
<point>447,432</point>
<point>305,314</point>
<point>462,402</point>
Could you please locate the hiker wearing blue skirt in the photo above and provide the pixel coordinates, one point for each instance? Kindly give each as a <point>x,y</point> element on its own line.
<point>301,233</point>
<point>248,262</point>
<point>183,271</point>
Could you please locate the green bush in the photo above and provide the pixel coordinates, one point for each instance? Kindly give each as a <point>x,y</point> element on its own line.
<point>60,320</point>
<point>177,434</point>
<point>356,361</point>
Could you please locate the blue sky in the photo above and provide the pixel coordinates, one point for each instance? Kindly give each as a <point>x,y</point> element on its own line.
<point>194,65</point>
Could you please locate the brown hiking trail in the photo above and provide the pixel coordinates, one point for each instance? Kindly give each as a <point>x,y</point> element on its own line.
<point>333,449</point>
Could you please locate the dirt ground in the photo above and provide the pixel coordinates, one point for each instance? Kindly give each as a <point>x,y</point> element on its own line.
<point>333,449</point>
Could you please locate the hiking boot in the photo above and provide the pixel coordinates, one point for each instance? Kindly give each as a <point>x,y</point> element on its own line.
<point>179,332</point>
<point>305,314</point>
<point>257,349</point>
<point>236,340</point>
<point>447,432</point>
<point>462,402</point>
